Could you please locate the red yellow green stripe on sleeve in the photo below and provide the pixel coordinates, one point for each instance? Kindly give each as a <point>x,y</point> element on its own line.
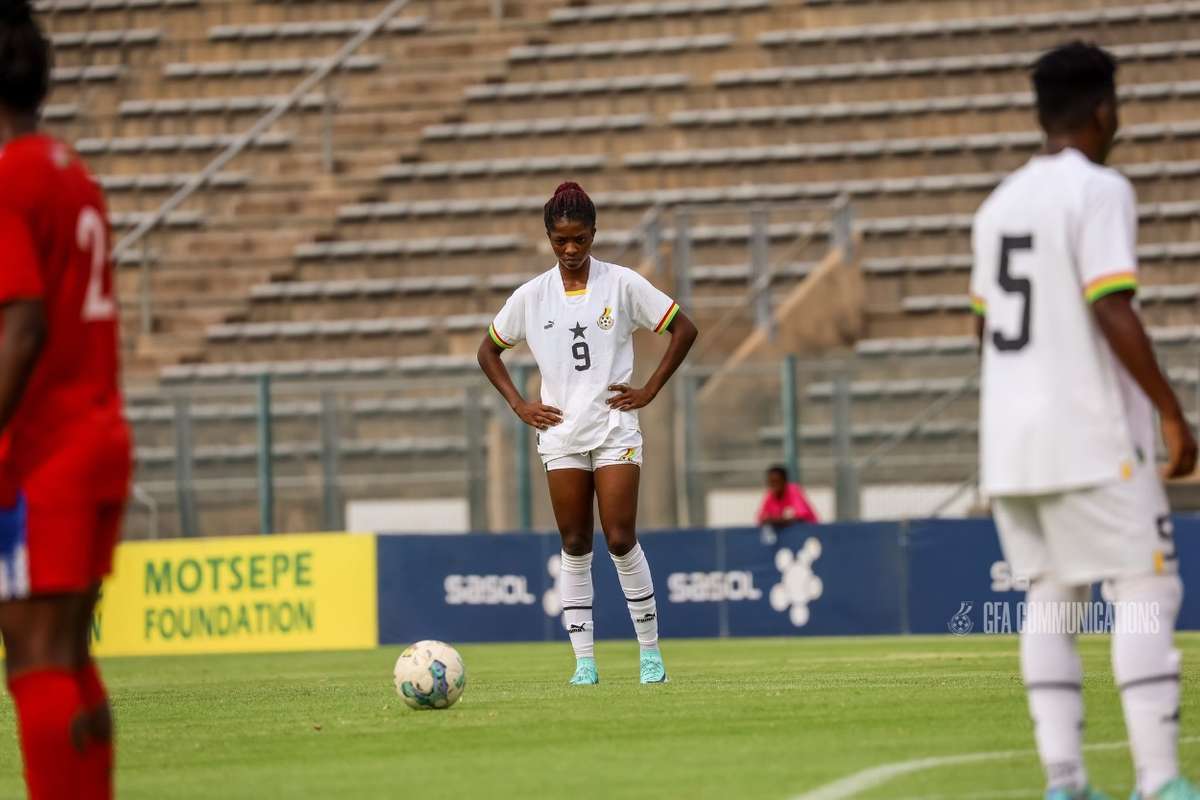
<point>979,305</point>
<point>1110,284</point>
<point>665,322</point>
<point>498,339</point>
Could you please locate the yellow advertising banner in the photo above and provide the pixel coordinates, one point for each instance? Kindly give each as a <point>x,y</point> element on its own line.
<point>239,595</point>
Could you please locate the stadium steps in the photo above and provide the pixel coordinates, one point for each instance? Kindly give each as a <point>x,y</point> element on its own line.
<point>1167,180</point>
<point>223,237</point>
<point>912,204</point>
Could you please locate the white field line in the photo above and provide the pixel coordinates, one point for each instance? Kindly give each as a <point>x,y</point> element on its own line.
<point>1010,794</point>
<point>853,785</point>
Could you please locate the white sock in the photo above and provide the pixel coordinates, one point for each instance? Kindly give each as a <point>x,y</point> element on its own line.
<point>575,589</point>
<point>634,573</point>
<point>1146,666</point>
<point>1053,674</point>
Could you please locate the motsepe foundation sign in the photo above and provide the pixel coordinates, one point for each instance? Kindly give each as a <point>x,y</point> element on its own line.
<point>239,595</point>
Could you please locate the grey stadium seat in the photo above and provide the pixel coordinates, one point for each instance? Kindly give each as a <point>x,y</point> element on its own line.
<point>109,38</point>
<point>303,30</point>
<point>264,67</point>
<point>602,13</point>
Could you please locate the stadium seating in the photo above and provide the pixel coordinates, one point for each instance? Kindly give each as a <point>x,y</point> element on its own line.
<point>370,233</point>
<point>1061,22</point>
<point>651,10</point>
<point>113,38</point>
<point>307,30</point>
<point>83,6</point>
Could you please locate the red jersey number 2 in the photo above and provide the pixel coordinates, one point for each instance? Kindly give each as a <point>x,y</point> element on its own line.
<point>91,234</point>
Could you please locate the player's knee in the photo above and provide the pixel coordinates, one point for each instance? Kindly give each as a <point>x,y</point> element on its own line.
<point>1164,592</point>
<point>576,542</point>
<point>1146,608</point>
<point>36,647</point>
<point>1161,588</point>
<point>621,540</point>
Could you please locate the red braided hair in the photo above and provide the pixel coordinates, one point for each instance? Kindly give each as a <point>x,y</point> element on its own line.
<point>570,202</point>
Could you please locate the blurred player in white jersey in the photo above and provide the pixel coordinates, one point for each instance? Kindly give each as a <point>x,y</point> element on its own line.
<point>578,318</point>
<point>1070,387</point>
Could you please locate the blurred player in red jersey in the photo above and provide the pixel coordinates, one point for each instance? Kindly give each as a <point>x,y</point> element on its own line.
<point>64,445</point>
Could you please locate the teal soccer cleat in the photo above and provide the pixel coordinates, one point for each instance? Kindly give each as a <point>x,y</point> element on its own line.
<point>1087,794</point>
<point>586,673</point>
<point>653,670</point>
<point>1178,789</point>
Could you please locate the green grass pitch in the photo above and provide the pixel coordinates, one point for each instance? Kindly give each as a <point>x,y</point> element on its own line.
<point>754,718</point>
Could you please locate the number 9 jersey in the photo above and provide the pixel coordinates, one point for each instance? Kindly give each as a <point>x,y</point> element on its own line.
<point>582,342</point>
<point>65,459</point>
<point>1058,410</point>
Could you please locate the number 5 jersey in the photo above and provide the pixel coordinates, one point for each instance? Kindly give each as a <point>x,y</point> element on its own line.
<point>1058,410</point>
<point>582,342</point>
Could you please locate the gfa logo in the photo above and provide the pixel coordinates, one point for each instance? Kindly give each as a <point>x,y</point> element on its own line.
<point>961,623</point>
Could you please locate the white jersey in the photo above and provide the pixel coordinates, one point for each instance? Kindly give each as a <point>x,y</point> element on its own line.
<point>1058,411</point>
<point>582,342</point>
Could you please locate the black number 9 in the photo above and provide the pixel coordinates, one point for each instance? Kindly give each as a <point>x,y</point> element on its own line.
<point>582,354</point>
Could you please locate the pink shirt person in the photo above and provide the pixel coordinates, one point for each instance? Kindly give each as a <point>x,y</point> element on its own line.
<point>784,502</point>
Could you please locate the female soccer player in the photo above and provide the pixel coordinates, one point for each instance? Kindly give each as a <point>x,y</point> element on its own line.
<point>579,318</point>
<point>64,443</point>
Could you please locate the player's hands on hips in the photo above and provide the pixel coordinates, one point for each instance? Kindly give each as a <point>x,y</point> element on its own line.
<point>628,398</point>
<point>1181,446</point>
<point>537,415</point>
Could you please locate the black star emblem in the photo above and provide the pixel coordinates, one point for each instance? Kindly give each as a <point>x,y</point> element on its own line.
<point>578,331</point>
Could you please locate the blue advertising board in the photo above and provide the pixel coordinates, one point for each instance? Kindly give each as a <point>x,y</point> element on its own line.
<point>841,579</point>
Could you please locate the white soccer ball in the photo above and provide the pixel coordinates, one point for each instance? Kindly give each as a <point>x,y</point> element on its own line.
<point>430,674</point>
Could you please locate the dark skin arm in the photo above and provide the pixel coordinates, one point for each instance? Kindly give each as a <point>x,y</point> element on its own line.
<point>1123,329</point>
<point>535,415</point>
<point>20,345</point>
<point>683,335</point>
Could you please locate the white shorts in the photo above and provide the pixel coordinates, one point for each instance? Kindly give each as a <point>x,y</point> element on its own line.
<point>1089,535</point>
<point>622,446</point>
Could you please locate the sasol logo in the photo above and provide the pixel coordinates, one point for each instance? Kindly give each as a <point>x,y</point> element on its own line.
<point>1003,579</point>
<point>551,603</point>
<point>712,587</point>
<point>487,590</point>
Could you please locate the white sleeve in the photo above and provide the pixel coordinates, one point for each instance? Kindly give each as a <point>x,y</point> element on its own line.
<point>651,308</point>
<point>1107,245</point>
<point>508,328</point>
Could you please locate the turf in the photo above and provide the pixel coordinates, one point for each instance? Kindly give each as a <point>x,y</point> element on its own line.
<point>764,718</point>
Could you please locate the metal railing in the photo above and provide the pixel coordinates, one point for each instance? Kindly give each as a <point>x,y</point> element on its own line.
<point>677,225</point>
<point>291,454</point>
<point>271,454</point>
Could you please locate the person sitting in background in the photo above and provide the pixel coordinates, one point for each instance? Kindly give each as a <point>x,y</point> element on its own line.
<point>784,504</point>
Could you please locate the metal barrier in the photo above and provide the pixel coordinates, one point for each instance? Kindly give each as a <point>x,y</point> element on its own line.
<point>288,454</point>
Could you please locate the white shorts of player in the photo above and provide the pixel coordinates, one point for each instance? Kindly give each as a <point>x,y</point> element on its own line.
<point>1089,535</point>
<point>622,446</point>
